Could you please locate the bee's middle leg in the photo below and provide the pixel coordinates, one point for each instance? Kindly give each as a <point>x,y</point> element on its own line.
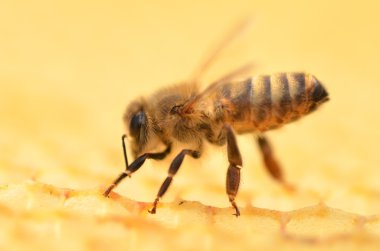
<point>174,166</point>
<point>233,173</point>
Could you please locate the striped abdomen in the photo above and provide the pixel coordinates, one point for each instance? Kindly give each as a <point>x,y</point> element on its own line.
<point>269,101</point>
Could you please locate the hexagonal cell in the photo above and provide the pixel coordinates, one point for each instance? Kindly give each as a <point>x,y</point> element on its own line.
<point>320,222</point>
<point>372,225</point>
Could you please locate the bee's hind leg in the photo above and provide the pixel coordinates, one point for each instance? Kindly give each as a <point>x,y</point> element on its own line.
<point>271,163</point>
<point>174,166</point>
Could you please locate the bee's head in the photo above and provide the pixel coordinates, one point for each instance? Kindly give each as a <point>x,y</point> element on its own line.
<point>139,126</point>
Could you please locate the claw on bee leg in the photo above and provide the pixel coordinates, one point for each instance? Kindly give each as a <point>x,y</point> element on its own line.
<point>108,191</point>
<point>237,211</point>
<point>153,210</point>
<point>115,183</point>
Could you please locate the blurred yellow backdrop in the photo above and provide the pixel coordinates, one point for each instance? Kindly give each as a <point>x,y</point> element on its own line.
<point>69,68</point>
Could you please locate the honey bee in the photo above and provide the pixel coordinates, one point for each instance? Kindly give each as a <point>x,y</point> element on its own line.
<point>186,114</point>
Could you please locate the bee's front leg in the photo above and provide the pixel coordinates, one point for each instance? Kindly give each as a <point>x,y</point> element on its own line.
<point>129,169</point>
<point>174,166</point>
<point>128,172</point>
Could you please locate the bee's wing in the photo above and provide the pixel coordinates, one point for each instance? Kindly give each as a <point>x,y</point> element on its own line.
<point>188,106</point>
<point>235,32</point>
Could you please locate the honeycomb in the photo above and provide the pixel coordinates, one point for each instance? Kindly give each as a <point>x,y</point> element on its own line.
<point>85,220</point>
<point>68,69</point>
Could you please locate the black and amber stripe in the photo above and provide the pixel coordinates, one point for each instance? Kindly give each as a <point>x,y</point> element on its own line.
<point>269,101</point>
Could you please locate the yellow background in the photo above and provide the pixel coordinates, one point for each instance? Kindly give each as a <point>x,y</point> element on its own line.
<point>69,68</point>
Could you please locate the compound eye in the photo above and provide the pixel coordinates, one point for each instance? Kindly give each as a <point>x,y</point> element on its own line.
<point>138,122</point>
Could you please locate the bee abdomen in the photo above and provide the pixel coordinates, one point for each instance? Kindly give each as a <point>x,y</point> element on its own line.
<point>284,97</point>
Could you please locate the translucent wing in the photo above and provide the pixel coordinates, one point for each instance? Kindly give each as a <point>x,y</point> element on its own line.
<point>188,106</point>
<point>234,33</point>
